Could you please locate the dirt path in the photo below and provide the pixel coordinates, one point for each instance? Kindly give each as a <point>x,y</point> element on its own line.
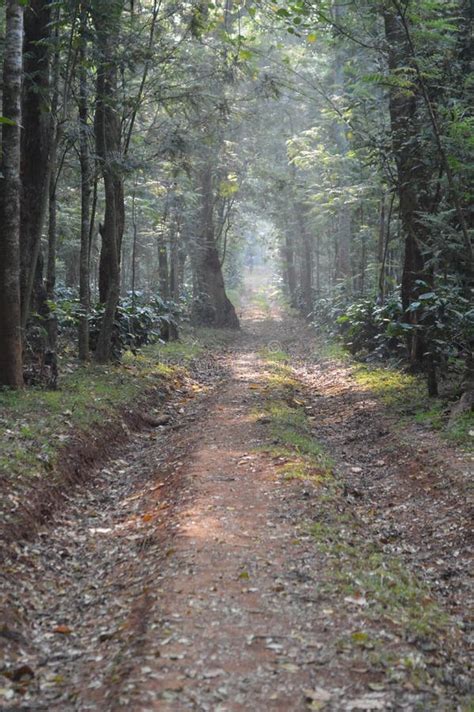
<point>188,577</point>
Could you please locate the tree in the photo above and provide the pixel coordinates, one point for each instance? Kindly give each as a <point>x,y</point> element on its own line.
<point>108,146</point>
<point>11,373</point>
<point>36,139</point>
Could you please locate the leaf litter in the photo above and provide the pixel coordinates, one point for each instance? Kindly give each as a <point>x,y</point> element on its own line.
<point>134,598</point>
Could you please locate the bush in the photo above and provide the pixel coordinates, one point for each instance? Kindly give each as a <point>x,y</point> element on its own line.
<point>139,320</point>
<point>444,317</point>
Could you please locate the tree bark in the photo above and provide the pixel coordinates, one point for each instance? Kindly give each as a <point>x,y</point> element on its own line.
<point>213,306</point>
<point>108,147</point>
<point>35,143</point>
<point>86,179</point>
<point>11,369</point>
<point>306,262</point>
<point>411,173</point>
<point>289,266</point>
<point>163,270</point>
<point>55,170</point>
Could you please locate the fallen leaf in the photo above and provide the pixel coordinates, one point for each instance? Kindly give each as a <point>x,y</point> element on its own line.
<point>63,629</point>
<point>209,674</point>
<point>21,674</point>
<point>289,667</point>
<point>376,686</point>
<point>369,702</point>
<point>356,600</point>
<point>317,695</point>
<point>7,693</point>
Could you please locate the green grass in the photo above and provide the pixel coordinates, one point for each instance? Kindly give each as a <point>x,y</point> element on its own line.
<point>332,350</point>
<point>273,357</point>
<point>36,423</point>
<point>289,428</point>
<point>461,431</point>
<point>394,388</point>
<point>407,395</point>
<point>384,597</point>
<point>176,351</point>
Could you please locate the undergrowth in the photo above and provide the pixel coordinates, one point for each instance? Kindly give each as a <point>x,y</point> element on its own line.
<point>407,395</point>
<point>36,424</point>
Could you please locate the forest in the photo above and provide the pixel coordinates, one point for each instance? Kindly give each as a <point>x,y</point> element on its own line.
<point>200,198</point>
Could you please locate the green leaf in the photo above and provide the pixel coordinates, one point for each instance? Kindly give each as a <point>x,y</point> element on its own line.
<point>245,54</point>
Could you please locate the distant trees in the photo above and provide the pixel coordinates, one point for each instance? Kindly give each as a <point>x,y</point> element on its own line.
<point>381,148</point>
<point>92,80</point>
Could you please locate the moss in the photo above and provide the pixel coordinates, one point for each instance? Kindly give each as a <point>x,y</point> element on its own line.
<point>277,356</point>
<point>332,350</point>
<point>395,388</point>
<point>461,431</point>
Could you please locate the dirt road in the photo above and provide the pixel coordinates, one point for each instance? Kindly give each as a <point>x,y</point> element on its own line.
<point>199,571</point>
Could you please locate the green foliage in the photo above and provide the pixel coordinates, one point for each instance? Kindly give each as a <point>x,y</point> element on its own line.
<point>444,317</point>
<point>366,328</point>
<point>140,320</point>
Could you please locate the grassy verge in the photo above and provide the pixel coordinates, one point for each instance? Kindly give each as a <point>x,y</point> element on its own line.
<point>406,395</point>
<point>393,627</point>
<point>37,423</point>
<point>39,428</point>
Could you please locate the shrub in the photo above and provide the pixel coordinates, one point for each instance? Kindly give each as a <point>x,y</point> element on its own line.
<point>139,320</point>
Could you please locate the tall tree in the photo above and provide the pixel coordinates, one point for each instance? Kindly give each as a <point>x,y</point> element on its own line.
<point>35,147</point>
<point>86,180</point>
<point>11,373</point>
<point>213,306</point>
<point>107,17</point>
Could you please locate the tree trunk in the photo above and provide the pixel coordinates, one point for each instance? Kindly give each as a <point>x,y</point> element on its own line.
<point>52,242</point>
<point>212,306</point>
<point>86,177</point>
<point>11,369</point>
<point>163,272</point>
<point>55,133</point>
<point>108,147</point>
<point>289,266</point>
<point>411,173</point>
<point>175,285</point>
<point>306,262</point>
<point>35,143</point>
<point>344,217</point>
